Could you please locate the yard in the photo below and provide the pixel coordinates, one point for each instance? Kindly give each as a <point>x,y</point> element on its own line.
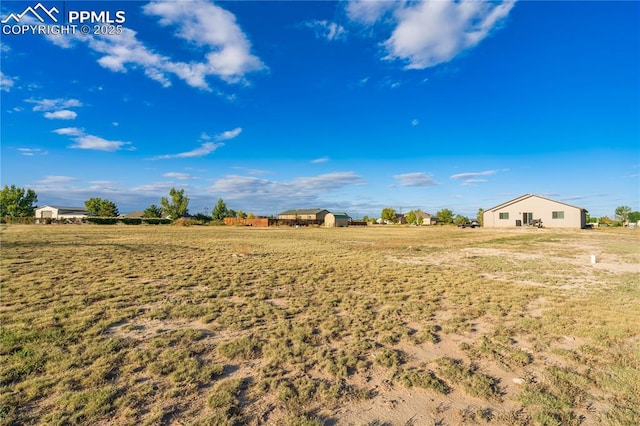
<point>378,326</point>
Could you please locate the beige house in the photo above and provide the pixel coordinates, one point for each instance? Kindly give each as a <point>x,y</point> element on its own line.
<point>534,210</point>
<point>61,213</point>
<point>427,219</point>
<point>336,219</point>
<point>304,214</point>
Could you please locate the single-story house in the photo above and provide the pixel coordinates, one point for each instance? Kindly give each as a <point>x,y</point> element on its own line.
<point>534,210</point>
<point>304,214</point>
<point>61,213</point>
<point>336,219</point>
<point>427,219</point>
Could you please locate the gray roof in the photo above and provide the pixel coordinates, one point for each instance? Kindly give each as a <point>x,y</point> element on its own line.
<point>341,215</point>
<point>80,209</point>
<point>303,211</point>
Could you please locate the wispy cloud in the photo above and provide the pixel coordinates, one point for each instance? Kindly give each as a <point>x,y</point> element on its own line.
<point>83,140</point>
<point>177,175</point>
<point>206,147</point>
<point>56,109</point>
<point>415,179</point>
<point>472,178</point>
<point>63,114</point>
<point>6,82</point>
<point>320,160</point>
<point>229,134</point>
<point>69,131</point>
<point>53,104</point>
<point>471,175</point>
<point>298,191</point>
<point>30,152</point>
<point>428,33</point>
<point>415,122</point>
<point>226,48</point>
<point>56,179</point>
<point>368,12</point>
<point>327,30</point>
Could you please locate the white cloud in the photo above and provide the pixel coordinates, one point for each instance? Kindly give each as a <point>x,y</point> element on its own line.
<point>415,179</point>
<point>63,114</point>
<point>176,175</point>
<point>53,104</point>
<point>56,179</point>
<point>473,182</point>
<point>327,30</point>
<point>328,181</point>
<point>83,140</point>
<point>227,50</point>
<point>30,152</point>
<point>415,122</point>
<point>368,12</point>
<point>320,160</point>
<point>6,82</point>
<point>204,149</point>
<point>69,131</point>
<point>229,134</point>
<point>300,190</point>
<point>471,175</point>
<point>429,33</point>
<point>473,178</point>
<point>97,143</point>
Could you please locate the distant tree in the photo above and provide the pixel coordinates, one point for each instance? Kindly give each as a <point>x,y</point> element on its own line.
<point>460,219</point>
<point>633,217</point>
<point>17,202</point>
<point>480,216</point>
<point>241,214</point>
<point>411,217</point>
<point>178,206</point>
<point>622,213</point>
<point>389,215</point>
<point>591,219</point>
<point>101,207</point>
<point>445,216</point>
<point>251,215</point>
<point>152,212</point>
<point>231,213</point>
<point>365,218</point>
<point>220,211</point>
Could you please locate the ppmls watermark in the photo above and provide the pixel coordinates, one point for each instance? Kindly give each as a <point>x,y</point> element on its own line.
<point>41,20</point>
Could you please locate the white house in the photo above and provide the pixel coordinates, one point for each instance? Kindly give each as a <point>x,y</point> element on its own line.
<point>61,213</point>
<point>533,210</point>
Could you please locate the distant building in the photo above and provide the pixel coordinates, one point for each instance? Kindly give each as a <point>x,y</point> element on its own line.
<point>427,219</point>
<point>132,215</point>
<point>61,213</point>
<point>336,219</point>
<point>534,210</point>
<point>317,215</point>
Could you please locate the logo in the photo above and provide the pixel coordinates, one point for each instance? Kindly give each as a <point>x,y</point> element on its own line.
<point>70,22</point>
<point>34,11</point>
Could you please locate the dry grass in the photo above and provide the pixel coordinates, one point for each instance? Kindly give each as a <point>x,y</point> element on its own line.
<point>388,325</point>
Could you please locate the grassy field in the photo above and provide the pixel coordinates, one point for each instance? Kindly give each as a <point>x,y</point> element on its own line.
<point>370,326</point>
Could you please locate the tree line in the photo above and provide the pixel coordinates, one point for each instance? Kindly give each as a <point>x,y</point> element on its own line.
<point>21,202</point>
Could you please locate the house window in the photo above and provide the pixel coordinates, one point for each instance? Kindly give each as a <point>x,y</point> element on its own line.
<point>504,215</point>
<point>557,215</point>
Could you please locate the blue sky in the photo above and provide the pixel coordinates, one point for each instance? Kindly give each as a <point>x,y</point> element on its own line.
<point>349,106</point>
